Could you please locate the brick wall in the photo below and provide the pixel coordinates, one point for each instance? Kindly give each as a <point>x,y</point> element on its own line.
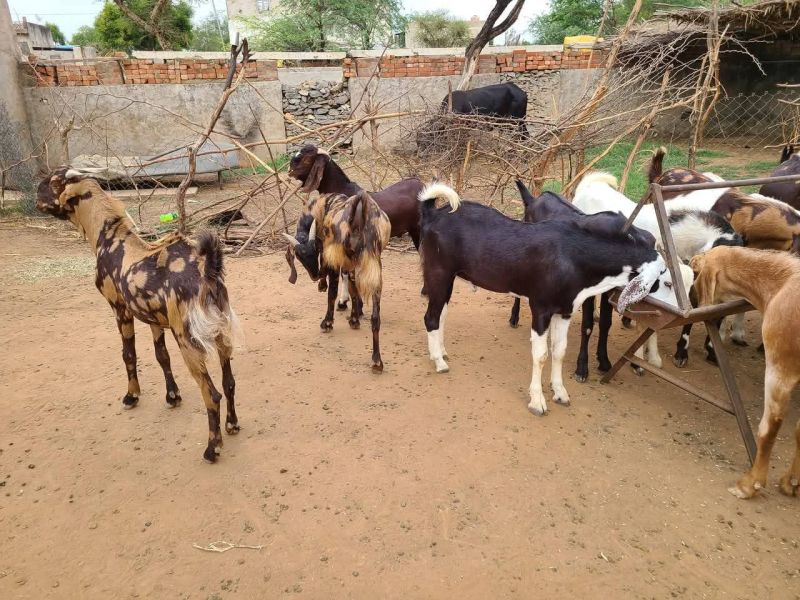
<point>518,61</point>
<point>139,71</point>
<point>124,70</point>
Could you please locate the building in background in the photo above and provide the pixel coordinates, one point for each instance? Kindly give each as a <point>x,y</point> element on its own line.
<point>33,38</point>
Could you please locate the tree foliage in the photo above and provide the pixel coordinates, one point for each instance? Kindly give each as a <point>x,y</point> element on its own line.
<point>566,17</point>
<point>58,35</point>
<point>322,25</point>
<point>117,31</point>
<point>207,37</point>
<point>438,29</point>
<point>582,17</point>
<point>86,35</point>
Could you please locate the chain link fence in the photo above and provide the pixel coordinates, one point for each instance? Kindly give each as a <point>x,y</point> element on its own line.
<point>758,120</point>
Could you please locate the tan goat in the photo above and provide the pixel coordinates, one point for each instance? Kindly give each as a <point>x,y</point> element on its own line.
<point>770,281</point>
<point>176,283</point>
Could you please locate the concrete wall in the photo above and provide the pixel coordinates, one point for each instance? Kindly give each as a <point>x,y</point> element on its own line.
<point>15,139</point>
<point>401,94</point>
<point>146,120</point>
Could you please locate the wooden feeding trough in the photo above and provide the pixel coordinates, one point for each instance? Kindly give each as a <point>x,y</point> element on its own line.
<point>656,315</point>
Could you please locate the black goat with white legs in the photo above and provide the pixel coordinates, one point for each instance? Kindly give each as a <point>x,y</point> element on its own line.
<point>548,206</point>
<point>556,264</point>
<point>317,171</point>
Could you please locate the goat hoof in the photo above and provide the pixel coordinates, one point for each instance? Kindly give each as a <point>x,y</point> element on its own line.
<point>580,377</point>
<point>537,411</point>
<point>129,401</point>
<point>558,400</point>
<point>604,366</point>
<point>377,367</point>
<point>680,361</point>
<point>513,323</point>
<point>210,455</point>
<point>231,428</point>
<point>711,359</point>
<point>341,306</point>
<point>789,485</point>
<point>738,342</point>
<point>354,324</point>
<point>326,326</point>
<point>638,370</point>
<point>173,399</point>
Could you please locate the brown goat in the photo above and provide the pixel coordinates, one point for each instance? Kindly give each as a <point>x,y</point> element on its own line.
<point>176,283</point>
<point>770,281</point>
<point>351,233</point>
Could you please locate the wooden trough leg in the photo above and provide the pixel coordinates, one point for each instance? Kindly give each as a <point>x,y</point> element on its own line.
<point>733,390</point>
<point>629,352</point>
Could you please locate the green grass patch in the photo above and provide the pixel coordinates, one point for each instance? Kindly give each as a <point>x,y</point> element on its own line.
<point>278,164</point>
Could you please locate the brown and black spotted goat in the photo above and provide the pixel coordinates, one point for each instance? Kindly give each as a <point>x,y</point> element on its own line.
<point>176,283</point>
<point>348,234</point>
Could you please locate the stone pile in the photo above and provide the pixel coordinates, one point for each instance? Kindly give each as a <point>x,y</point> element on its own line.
<point>314,103</point>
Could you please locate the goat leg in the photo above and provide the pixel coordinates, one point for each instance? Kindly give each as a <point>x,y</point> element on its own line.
<point>377,362</point>
<point>228,386</point>
<point>333,291</point>
<point>125,326</point>
<point>559,326</point>
<point>790,483</point>
<point>173,397</point>
<point>541,323</point>
<point>357,308</point>
<point>681,356</point>
<point>341,301</point>
<point>606,310</point>
<point>777,389</point>
<point>514,319</point>
<point>195,360</point>
<point>587,324</point>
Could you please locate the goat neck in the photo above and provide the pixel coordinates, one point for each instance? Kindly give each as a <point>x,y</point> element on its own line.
<point>98,212</point>
<point>756,275</point>
<point>335,180</point>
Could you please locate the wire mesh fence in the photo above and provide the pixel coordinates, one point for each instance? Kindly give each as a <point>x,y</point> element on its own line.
<point>757,120</point>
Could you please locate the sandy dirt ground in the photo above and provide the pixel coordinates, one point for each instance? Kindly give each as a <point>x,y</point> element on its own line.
<point>404,485</point>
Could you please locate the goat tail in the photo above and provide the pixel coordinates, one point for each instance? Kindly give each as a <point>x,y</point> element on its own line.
<point>369,277</point>
<point>211,320</point>
<point>210,248</point>
<point>440,191</point>
<point>656,164</point>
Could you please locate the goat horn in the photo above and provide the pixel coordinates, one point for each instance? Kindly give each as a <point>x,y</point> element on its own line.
<point>72,173</point>
<point>293,241</point>
<point>312,233</point>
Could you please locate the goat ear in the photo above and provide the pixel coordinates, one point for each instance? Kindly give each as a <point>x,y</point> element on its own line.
<point>357,216</point>
<point>292,269</point>
<point>706,284</point>
<point>71,190</point>
<point>315,174</point>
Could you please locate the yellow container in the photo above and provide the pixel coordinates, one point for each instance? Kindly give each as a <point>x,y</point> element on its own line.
<point>580,39</point>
